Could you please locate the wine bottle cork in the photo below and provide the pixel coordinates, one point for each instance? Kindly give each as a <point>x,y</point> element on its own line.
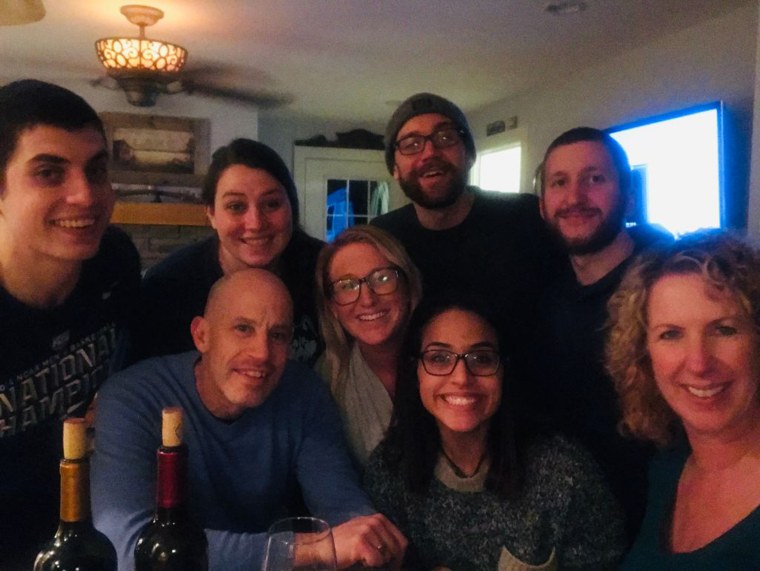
<point>171,426</point>
<point>74,438</point>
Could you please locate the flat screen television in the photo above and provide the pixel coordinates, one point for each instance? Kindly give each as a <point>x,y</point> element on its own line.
<point>678,165</point>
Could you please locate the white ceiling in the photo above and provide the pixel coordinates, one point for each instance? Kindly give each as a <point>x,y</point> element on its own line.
<point>347,59</point>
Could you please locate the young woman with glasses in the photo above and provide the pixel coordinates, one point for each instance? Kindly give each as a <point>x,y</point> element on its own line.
<point>366,289</point>
<point>470,485</point>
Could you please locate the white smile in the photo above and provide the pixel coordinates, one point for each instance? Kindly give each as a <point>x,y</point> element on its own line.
<point>252,373</point>
<point>456,400</point>
<point>372,316</point>
<point>430,174</point>
<point>705,393</point>
<point>74,222</point>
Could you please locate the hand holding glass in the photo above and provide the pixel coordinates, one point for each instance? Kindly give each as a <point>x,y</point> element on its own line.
<point>300,543</point>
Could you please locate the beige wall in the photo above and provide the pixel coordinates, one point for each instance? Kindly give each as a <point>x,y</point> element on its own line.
<point>712,61</point>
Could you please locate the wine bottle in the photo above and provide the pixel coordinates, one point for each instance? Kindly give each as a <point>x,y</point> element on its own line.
<point>171,541</point>
<point>76,545</point>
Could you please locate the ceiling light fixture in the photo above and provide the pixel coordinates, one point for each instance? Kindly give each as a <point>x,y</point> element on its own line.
<point>17,12</point>
<point>565,7</point>
<point>142,67</point>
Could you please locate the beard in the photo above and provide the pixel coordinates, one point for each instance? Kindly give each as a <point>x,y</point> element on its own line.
<point>447,192</point>
<point>602,236</point>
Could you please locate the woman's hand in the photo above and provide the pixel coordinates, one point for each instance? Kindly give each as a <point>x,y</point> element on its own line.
<point>372,541</point>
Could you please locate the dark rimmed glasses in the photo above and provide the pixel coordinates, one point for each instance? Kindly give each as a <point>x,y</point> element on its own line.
<point>381,281</point>
<point>441,139</point>
<point>480,362</point>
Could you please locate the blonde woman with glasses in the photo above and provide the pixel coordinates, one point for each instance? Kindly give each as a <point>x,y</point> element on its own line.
<point>366,289</point>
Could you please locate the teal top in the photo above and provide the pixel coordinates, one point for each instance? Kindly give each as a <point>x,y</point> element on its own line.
<point>735,549</point>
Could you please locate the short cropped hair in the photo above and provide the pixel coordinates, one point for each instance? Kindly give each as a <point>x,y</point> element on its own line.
<point>724,261</point>
<point>581,134</point>
<point>337,342</point>
<point>251,154</point>
<point>29,102</point>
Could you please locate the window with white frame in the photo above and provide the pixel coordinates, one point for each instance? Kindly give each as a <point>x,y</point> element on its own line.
<point>498,169</point>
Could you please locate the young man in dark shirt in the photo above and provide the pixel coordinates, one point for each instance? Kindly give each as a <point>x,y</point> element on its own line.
<point>488,244</point>
<point>67,286</point>
<point>585,195</point>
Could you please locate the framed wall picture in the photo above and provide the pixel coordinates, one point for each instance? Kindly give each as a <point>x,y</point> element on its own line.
<point>157,194</point>
<point>157,151</point>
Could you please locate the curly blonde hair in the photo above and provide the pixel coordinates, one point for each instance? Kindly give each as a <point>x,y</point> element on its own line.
<point>725,261</point>
<point>337,342</point>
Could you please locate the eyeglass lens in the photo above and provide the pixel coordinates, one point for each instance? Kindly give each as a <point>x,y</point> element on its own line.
<point>442,138</point>
<point>382,282</point>
<point>479,363</point>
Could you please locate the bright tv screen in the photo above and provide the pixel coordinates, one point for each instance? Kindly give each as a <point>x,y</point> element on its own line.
<point>677,161</point>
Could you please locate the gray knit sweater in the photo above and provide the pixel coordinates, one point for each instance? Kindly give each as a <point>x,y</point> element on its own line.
<point>563,518</point>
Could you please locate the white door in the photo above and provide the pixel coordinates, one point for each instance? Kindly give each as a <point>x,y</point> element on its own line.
<point>342,187</point>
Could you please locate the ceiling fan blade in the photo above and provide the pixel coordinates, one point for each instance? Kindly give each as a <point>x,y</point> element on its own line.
<point>105,81</point>
<point>204,79</point>
<point>262,99</point>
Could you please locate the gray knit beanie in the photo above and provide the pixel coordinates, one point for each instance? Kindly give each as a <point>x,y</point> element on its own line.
<point>420,104</point>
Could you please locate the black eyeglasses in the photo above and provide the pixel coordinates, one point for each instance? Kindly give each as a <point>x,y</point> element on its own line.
<point>480,362</point>
<point>442,138</point>
<point>381,281</point>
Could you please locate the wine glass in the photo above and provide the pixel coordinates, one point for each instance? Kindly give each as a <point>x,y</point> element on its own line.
<point>300,543</point>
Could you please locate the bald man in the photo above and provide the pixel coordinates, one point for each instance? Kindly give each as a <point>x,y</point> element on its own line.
<point>257,427</point>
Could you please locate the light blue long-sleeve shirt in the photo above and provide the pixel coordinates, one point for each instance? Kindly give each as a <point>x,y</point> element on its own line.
<point>242,475</point>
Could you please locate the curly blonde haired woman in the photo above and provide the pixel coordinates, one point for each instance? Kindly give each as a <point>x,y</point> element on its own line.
<point>684,352</point>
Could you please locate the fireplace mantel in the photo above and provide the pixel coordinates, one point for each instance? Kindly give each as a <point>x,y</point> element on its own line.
<point>152,213</point>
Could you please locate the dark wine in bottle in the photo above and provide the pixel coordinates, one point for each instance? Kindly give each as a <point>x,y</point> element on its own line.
<point>76,545</point>
<point>171,541</point>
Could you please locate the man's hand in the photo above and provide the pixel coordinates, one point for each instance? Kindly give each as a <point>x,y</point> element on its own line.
<point>371,541</point>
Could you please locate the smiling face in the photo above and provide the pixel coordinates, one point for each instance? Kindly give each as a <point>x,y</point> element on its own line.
<point>434,178</point>
<point>705,355</point>
<point>244,339</point>
<point>581,201</point>
<point>460,402</point>
<point>372,320</point>
<point>55,197</point>
<point>252,216</point>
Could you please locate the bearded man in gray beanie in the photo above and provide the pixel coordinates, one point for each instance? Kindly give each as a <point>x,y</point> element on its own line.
<point>488,244</point>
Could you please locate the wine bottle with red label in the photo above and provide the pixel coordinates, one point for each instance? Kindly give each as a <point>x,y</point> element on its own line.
<point>172,541</point>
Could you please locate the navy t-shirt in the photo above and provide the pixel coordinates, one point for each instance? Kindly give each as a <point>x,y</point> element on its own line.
<point>51,363</point>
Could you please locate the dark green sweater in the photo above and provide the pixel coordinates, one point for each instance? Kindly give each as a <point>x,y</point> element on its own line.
<point>564,517</point>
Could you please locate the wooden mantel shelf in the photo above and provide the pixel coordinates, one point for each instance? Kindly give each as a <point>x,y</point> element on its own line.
<point>152,213</point>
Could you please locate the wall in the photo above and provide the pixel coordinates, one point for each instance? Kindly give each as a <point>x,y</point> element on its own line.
<point>280,132</point>
<point>711,61</point>
<point>155,242</point>
<point>753,215</point>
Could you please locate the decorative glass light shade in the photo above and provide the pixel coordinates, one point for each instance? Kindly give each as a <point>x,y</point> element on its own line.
<point>125,56</point>
<point>142,67</point>
<point>137,54</point>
